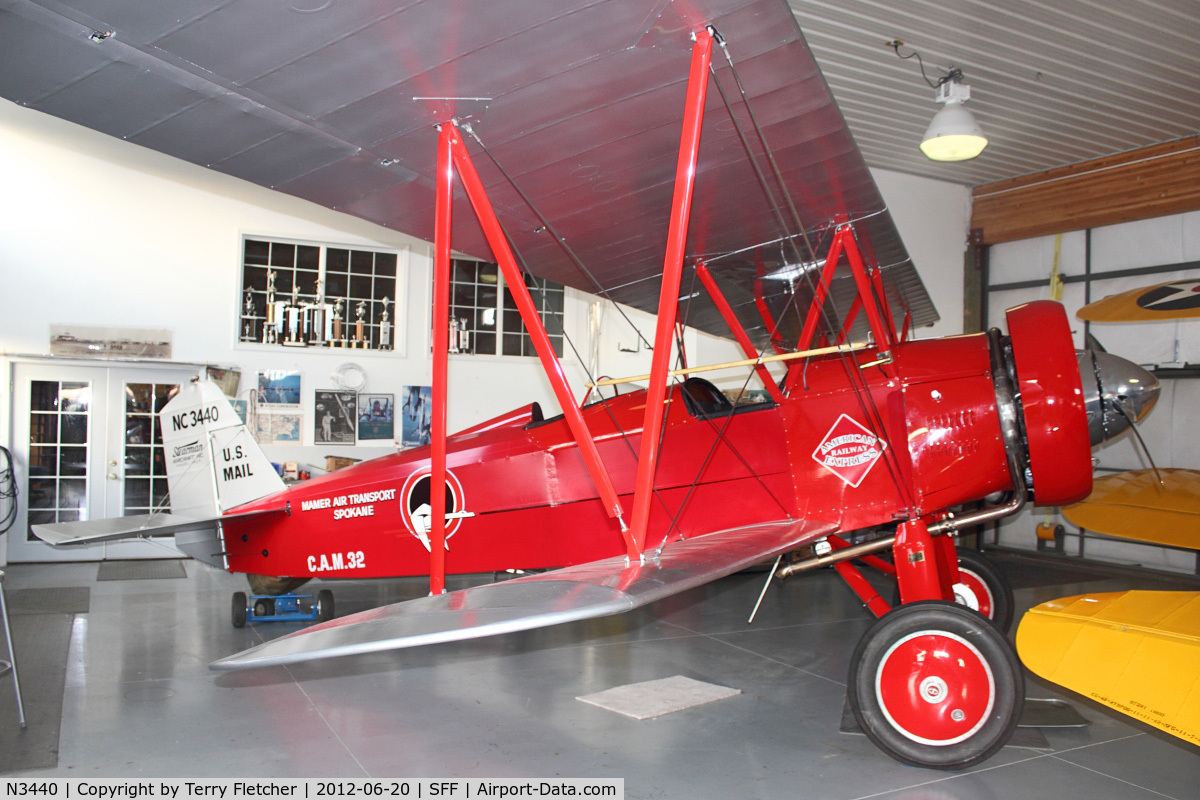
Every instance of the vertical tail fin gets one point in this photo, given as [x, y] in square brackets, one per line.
[213, 462]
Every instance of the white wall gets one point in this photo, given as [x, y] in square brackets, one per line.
[97, 231]
[1172, 430]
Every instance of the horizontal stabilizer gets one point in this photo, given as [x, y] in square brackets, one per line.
[1134, 505]
[1134, 651]
[596, 589]
[131, 527]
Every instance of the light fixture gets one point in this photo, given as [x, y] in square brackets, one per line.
[953, 135]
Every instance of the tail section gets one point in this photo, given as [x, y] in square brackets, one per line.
[213, 465]
[213, 462]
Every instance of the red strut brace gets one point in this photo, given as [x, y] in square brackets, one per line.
[441, 348]
[537, 331]
[735, 326]
[668, 297]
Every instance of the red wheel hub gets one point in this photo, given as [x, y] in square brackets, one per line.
[935, 687]
[971, 591]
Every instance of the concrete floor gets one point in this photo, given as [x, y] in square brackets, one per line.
[141, 702]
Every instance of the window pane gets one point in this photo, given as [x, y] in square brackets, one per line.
[283, 255]
[484, 343]
[283, 284]
[44, 395]
[43, 428]
[385, 264]
[335, 285]
[159, 495]
[72, 461]
[361, 261]
[139, 397]
[160, 462]
[512, 322]
[75, 397]
[72, 493]
[137, 460]
[257, 252]
[137, 492]
[308, 257]
[512, 344]
[43, 493]
[336, 260]
[464, 271]
[43, 460]
[74, 429]
[360, 286]
[137, 430]
[489, 273]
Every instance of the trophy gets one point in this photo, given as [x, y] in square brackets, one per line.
[272, 310]
[293, 323]
[248, 317]
[385, 327]
[454, 335]
[337, 322]
[360, 311]
[318, 317]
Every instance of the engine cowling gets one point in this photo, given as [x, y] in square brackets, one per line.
[1054, 403]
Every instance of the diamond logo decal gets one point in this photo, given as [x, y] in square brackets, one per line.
[849, 451]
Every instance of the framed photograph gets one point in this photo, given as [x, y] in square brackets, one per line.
[415, 416]
[279, 388]
[333, 417]
[376, 416]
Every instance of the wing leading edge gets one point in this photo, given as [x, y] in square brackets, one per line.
[596, 589]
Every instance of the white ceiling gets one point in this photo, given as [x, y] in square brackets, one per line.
[1052, 82]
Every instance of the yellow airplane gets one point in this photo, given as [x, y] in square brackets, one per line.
[1137, 652]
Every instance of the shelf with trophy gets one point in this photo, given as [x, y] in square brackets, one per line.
[346, 303]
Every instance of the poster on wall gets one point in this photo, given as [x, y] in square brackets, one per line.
[279, 388]
[333, 417]
[104, 342]
[415, 416]
[376, 418]
[277, 427]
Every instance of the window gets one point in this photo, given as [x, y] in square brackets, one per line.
[486, 312]
[308, 295]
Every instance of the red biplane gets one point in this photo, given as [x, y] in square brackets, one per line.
[608, 164]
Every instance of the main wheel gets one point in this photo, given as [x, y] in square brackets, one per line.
[984, 588]
[324, 605]
[936, 685]
[240, 606]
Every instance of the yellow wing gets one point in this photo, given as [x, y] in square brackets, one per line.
[1172, 300]
[1136, 652]
[1133, 505]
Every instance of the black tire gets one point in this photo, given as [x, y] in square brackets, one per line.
[268, 585]
[264, 607]
[324, 605]
[984, 588]
[950, 711]
[240, 607]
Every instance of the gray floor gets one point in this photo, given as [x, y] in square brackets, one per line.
[141, 702]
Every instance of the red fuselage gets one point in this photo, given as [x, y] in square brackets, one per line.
[814, 456]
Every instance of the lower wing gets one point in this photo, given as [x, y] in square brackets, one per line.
[597, 589]
[1134, 505]
[1133, 651]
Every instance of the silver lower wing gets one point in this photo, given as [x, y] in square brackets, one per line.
[597, 589]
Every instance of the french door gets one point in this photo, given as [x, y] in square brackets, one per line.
[87, 445]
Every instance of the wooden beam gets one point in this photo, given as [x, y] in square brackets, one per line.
[1149, 182]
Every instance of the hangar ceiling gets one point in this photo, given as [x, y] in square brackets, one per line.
[1052, 82]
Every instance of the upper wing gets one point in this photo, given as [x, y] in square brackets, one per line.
[1133, 505]
[598, 589]
[580, 102]
[1171, 300]
[1135, 652]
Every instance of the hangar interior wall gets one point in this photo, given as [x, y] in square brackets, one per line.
[100, 232]
[1172, 429]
